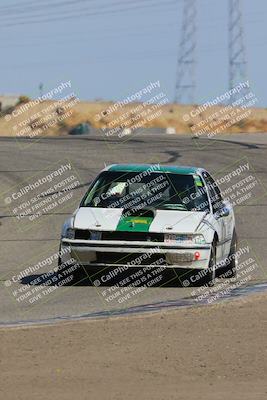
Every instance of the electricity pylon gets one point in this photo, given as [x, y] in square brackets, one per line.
[185, 78]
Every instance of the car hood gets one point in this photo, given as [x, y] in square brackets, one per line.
[110, 219]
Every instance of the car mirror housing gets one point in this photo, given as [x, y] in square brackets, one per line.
[224, 211]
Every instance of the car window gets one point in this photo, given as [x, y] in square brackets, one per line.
[201, 198]
[132, 190]
[214, 192]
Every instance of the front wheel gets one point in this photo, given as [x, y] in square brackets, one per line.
[229, 271]
[210, 272]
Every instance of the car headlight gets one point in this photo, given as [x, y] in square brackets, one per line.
[184, 238]
[70, 233]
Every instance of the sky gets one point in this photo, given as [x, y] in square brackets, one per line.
[109, 53]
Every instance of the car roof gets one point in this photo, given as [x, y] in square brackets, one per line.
[175, 169]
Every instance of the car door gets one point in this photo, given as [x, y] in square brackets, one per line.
[218, 222]
[228, 218]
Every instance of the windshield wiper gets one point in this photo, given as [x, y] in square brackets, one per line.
[180, 207]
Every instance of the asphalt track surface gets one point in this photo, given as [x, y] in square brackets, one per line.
[19, 247]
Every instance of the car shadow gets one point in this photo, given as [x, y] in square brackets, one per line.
[106, 277]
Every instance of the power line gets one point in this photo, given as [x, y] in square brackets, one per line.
[85, 14]
[104, 34]
[119, 55]
[61, 4]
[27, 3]
[72, 13]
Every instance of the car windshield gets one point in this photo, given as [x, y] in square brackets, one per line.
[154, 190]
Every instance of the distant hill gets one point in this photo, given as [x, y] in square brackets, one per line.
[51, 118]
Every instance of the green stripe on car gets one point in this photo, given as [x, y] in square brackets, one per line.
[134, 224]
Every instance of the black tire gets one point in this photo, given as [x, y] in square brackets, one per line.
[210, 274]
[229, 271]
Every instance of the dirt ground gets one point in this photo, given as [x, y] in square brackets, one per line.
[43, 119]
[213, 352]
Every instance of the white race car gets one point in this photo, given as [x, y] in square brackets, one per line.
[138, 215]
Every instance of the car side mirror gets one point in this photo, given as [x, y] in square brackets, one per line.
[223, 211]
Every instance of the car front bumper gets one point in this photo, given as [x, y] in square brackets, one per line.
[134, 254]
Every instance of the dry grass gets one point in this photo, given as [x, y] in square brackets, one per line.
[171, 115]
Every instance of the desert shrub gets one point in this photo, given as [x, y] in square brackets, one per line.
[23, 100]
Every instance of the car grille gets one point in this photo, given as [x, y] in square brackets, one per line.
[133, 236]
[84, 234]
